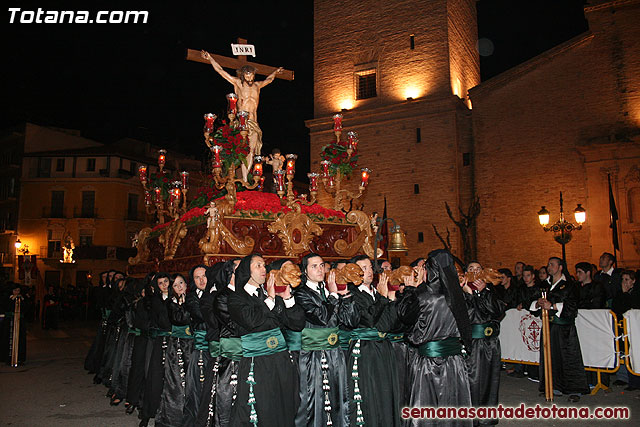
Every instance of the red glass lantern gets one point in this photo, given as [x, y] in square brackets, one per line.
[243, 116]
[157, 191]
[216, 156]
[184, 175]
[142, 174]
[291, 164]
[261, 185]
[280, 180]
[353, 140]
[162, 158]
[208, 123]
[147, 198]
[232, 99]
[257, 165]
[337, 122]
[313, 181]
[366, 172]
[325, 168]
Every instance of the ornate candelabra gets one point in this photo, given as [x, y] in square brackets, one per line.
[228, 180]
[175, 204]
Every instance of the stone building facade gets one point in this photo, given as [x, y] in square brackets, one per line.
[561, 121]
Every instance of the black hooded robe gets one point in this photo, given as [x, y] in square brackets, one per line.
[436, 380]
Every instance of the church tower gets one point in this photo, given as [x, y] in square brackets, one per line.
[399, 73]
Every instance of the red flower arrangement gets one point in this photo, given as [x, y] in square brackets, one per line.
[336, 153]
[255, 201]
[234, 148]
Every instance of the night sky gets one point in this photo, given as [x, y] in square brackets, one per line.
[112, 81]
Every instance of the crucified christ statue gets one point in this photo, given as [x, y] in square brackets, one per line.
[248, 91]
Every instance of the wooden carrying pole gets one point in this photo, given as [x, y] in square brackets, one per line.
[15, 342]
[546, 344]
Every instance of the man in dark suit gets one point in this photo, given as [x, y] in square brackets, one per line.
[609, 276]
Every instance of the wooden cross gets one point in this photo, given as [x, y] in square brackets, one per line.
[237, 62]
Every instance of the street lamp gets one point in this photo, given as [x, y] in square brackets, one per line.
[562, 229]
[397, 241]
[21, 248]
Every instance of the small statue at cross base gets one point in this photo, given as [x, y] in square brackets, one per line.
[248, 91]
[276, 160]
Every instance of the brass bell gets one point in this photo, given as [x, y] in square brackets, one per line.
[397, 240]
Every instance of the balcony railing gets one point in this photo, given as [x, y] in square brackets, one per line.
[84, 213]
[48, 212]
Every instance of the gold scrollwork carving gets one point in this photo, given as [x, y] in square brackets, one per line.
[140, 242]
[364, 239]
[171, 238]
[217, 232]
[296, 230]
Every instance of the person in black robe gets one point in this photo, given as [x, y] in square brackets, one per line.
[51, 309]
[141, 346]
[207, 405]
[438, 325]
[7, 330]
[122, 364]
[200, 356]
[179, 348]
[267, 377]
[372, 380]
[293, 338]
[566, 357]
[627, 299]
[592, 293]
[527, 292]
[322, 364]
[483, 364]
[115, 329]
[221, 389]
[94, 356]
[159, 332]
[390, 324]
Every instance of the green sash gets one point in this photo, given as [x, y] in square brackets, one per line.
[231, 348]
[395, 337]
[319, 338]
[344, 338]
[560, 321]
[105, 314]
[155, 332]
[442, 348]
[135, 331]
[368, 334]
[214, 348]
[181, 332]
[201, 340]
[263, 343]
[483, 330]
[293, 339]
